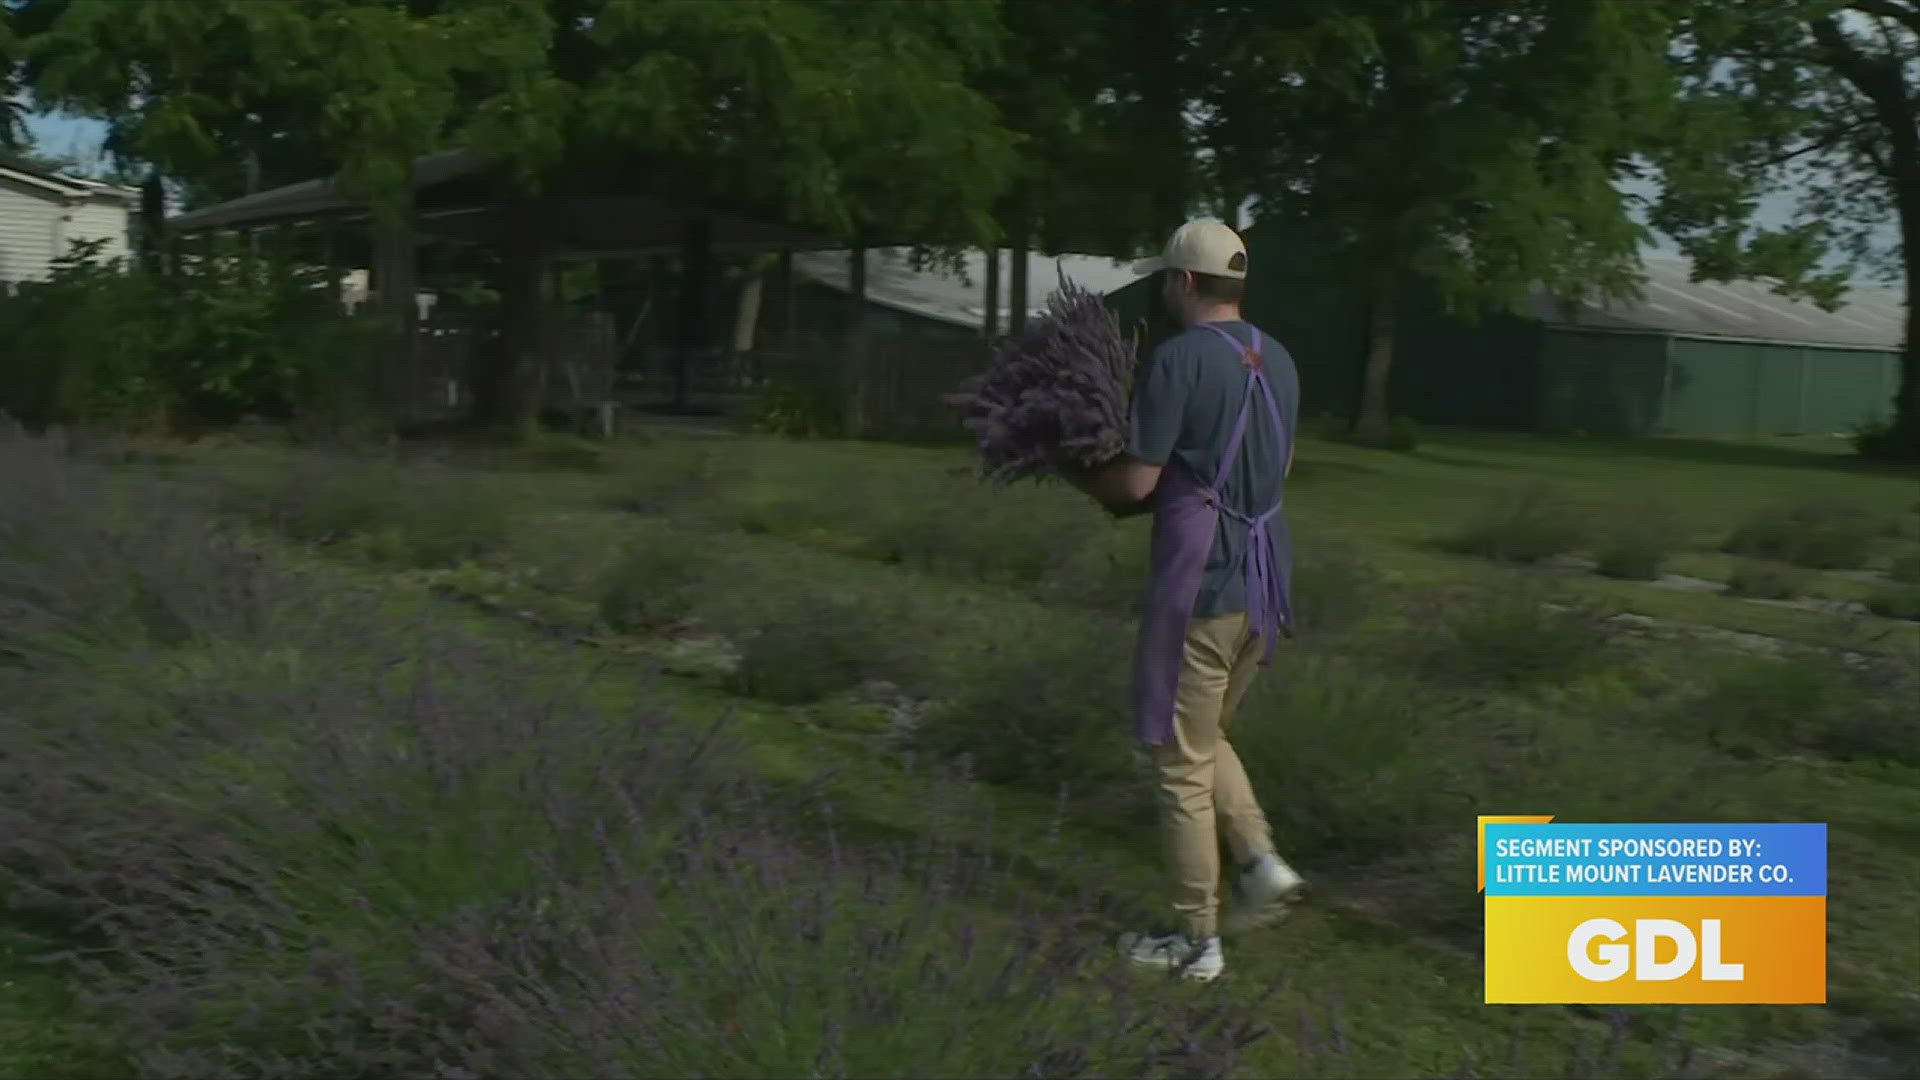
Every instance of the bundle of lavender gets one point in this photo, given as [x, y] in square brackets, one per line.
[1057, 391]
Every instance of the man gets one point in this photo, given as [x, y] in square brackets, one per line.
[1210, 446]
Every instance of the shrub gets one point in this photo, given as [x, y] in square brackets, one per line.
[1820, 534]
[1336, 750]
[969, 529]
[1759, 580]
[1906, 569]
[1636, 543]
[1046, 710]
[80, 346]
[1884, 439]
[414, 516]
[658, 583]
[221, 338]
[823, 645]
[1513, 636]
[1524, 525]
[681, 482]
[1757, 705]
[804, 402]
[1899, 601]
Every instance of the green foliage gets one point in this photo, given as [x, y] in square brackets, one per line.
[1047, 709]
[1483, 188]
[1819, 534]
[1517, 635]
[972, 529]
[1757, 579]
[101, 340]
[1814, 100]
[1763, 704]
[1336, 752]
[382, 512]
[658, 583]
[1523, 525]
[80, 345]
[802, 405]
[1906, 569]
[1754, 706]
[1635, 543]
[1775, 94]
[1897, 601]
[821, 645]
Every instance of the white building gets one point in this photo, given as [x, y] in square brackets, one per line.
[43, 214]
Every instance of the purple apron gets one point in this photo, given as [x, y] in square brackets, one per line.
[1185, 514]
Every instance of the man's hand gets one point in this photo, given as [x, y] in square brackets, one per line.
[1123, 485]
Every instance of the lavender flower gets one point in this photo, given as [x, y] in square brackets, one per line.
[1059, 391]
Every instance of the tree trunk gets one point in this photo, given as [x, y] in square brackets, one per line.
[510, 374]
[690, 333]
[855, 358]
[990, 323]
[1906, 184]
[393, 280]
[1017, 299]
[153, 227]
[1374, 425]
[1884, 84]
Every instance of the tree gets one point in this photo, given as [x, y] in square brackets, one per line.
[1820, 98]
[832, 113]
[1470, 144]
[1096, 91]
[13, 111]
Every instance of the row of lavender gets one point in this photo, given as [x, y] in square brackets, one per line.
[296, 827]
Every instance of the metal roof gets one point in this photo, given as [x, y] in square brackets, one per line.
[311, 198]
[59, 184]
[959, 299]
[1672, 303]
[581, 226]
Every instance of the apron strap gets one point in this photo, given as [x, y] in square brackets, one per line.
[1250, 356]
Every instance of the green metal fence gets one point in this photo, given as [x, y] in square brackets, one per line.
[1626, 384]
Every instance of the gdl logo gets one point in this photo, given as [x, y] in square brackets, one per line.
[1602, 950]
[1653, 914]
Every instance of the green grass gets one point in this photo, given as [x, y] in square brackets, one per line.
[1392, 936]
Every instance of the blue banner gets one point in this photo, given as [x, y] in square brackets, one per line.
[1554, 859]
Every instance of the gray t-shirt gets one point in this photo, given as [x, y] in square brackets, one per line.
[1183, 410]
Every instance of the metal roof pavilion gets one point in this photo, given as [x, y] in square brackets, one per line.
[1673, 303]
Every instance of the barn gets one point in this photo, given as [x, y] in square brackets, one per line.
[1689, 359]
[913, 300]
[42, 214]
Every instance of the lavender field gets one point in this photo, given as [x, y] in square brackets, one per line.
[721, 756]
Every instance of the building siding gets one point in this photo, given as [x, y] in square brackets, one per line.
[96, 220]
[38, 225]
[28, 220]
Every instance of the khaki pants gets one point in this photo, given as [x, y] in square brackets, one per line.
[1202, 786]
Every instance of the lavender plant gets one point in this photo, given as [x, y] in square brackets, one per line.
[315, 831]
[1060, 390]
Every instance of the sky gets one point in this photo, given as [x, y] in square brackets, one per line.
[80, 140]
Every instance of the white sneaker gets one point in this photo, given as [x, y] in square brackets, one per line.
[1266, 890]
[1202, 962]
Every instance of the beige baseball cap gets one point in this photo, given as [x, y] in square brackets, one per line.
[1204, 246]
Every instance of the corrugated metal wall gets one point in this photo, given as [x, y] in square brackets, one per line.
[1599, 383]
[1446, 370]
[1756, 389]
